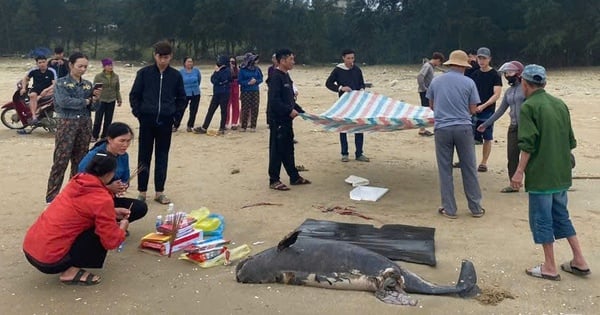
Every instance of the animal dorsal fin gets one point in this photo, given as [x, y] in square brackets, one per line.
[288, 240]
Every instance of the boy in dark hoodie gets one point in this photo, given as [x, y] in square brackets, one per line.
[347, 77]
[221, 80]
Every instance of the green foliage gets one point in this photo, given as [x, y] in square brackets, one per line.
[551, 32]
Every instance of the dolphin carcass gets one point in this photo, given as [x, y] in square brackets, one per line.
[340, 265]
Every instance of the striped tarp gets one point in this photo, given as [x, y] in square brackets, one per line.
[360, 111]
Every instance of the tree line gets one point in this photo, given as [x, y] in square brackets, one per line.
[550, 32]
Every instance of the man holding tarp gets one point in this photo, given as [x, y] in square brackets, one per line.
[347, 77]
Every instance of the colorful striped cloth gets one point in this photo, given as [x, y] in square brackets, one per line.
[360, 111]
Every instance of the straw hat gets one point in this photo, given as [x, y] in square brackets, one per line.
[458, 58]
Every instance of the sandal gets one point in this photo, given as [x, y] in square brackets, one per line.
[279, 186]
[536, 272]
[568, 267]
[456, 164]
[479, 214]
[300, 181]
[482, 168]
[141, 198]
[508, 189]
[162, 199]
[89, 280]
[426, 133]
[443, 212]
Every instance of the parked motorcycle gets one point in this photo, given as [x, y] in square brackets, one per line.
[17, 114]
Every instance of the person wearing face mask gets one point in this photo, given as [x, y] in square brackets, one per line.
[513, 98]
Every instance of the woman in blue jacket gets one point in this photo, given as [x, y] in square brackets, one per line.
[221, 80]
[117, 141]
[250, 77]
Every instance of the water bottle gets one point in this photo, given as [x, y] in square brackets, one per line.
[170, 214]
[159, 221]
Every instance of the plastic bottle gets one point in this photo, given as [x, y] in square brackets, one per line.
[170, 213]
[159, 221]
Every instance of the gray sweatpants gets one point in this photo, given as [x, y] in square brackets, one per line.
[461, 138]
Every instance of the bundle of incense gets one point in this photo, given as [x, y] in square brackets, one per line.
[179, 218]
[204, 246]
[136, 172]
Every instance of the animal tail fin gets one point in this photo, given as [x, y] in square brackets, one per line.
[467, 280]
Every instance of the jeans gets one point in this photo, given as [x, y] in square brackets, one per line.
[358, 142]
[549, 217]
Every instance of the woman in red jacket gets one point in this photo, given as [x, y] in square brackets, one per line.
[79, 226]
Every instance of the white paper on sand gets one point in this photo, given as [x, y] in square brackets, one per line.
[367, 193]
[356, 181]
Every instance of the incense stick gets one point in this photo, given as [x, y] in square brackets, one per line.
[177, 221]
[120, 248]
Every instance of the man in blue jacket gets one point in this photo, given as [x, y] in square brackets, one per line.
[157, 96]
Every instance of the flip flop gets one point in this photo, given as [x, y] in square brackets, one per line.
[456, 165]
[568, 267]
[509, 189]
[279, 186]
[482, 168]
[536, 272]
[479, 214]
[89, 280]
[443, 212]
[300, 181]
[162, 199]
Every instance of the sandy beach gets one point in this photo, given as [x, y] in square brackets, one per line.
[200, 174]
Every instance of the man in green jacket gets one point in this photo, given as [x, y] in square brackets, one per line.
[546, 140]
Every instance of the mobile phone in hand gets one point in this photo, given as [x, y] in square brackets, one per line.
[98, 85]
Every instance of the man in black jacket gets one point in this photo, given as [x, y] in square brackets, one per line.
[156, 97]
[282, 109]
[347, 77]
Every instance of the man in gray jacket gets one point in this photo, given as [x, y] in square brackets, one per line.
[424, 79]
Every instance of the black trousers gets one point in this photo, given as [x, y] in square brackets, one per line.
[281, 151]
[154, 134]
[104, 112]
[194, 103]
[217, 100]
[138, 208]
[86, 252]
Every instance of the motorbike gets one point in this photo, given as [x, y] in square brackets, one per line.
[17, 114]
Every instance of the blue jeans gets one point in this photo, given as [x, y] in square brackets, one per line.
[358, 141]
[549, 217]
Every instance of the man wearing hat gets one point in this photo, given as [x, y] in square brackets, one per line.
[546, 140]
[489, 87]
[453, 98]
[111, 94]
